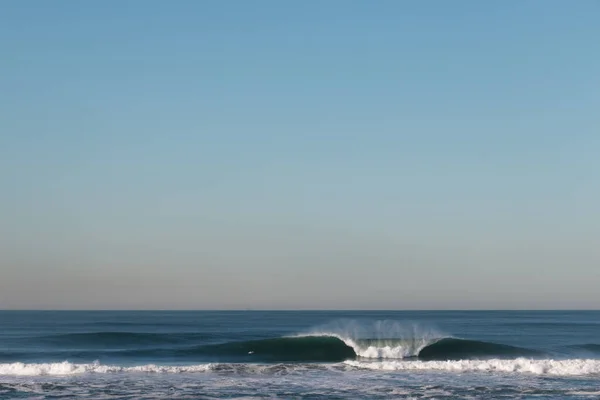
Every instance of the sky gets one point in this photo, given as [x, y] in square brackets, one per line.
[336, 154]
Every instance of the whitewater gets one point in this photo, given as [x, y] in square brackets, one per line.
[522, 365]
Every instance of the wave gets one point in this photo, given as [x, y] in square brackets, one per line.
[334, 348]
[571, 367]
[459, 349]
[308, 348]
[284, 349]
[381, 347]
[589, 346]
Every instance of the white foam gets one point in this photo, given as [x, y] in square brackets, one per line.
[67, 368]
[387, 349]
[520, 365]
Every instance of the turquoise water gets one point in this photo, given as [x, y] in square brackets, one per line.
[300, 354]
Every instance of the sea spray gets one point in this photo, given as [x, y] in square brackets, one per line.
[380, 338]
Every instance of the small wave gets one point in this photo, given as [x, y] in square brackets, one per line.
[519, 365]
[589, 347]
[459, 349]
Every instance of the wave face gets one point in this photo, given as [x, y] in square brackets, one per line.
[460, 349]
[284, 349]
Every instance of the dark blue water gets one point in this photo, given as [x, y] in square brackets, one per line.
[282, 354]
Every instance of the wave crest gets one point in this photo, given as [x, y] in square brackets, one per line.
[380, 339]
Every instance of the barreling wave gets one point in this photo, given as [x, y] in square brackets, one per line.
[308, 348]
[336, 348]
[573, 367]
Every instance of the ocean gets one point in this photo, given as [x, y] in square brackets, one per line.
[300, 354]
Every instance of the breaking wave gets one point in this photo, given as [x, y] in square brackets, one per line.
[309, 348]
[334, 348]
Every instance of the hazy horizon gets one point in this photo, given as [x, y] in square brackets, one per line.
[307, 155]
[297, 310]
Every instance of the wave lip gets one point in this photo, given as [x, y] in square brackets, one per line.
[383, 339]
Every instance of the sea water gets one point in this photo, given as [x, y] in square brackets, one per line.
[300, 354]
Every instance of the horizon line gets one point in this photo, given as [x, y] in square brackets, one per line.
[294, 309]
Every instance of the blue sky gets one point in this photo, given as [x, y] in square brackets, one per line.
[267, 154]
